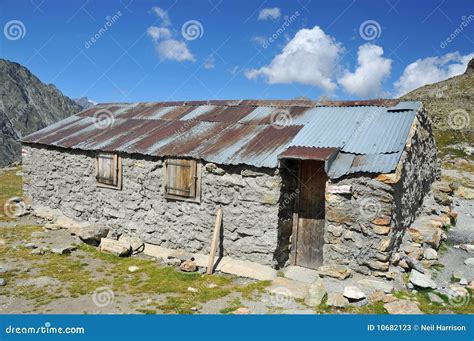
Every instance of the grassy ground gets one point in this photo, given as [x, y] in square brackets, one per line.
[10, 187]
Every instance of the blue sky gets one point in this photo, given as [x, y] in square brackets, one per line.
[340, 49]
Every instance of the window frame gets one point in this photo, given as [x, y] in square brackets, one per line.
[197, 181]
[117, 159]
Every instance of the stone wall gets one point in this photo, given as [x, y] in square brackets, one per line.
[65, 180]
[365, 225]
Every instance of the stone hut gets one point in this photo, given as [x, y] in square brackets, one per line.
[299, 182]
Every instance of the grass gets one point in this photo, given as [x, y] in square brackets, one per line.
[232, 306]
[11, 186]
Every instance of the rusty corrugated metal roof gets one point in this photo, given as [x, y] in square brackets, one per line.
[252, 132]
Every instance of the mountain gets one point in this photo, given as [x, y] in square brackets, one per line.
[451, 106]
[26, 105]
[85, 102]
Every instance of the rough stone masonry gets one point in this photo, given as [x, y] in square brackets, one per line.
[65, 180]
[363, 226]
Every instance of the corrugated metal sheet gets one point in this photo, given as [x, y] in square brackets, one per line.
[370, 135]
[370, 163]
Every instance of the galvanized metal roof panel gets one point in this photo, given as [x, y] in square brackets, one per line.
[346, 163]
[382, 132]
[236, 132]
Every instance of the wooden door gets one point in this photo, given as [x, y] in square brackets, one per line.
[310, 214]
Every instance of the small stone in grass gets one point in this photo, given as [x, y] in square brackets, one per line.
[133, 268]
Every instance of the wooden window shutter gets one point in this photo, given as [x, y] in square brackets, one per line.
[181, 178]
[107, 169]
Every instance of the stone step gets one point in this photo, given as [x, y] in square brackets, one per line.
[300, 274]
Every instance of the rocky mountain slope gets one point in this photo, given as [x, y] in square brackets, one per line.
[85, 102]
[26, 105]
[451, 106]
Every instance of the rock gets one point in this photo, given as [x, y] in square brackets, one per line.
[459, 290]
[383, 220]
[425, 232]
[3, 242]
[456, 276]
[38, 234]
[172, 261]
[467, 247]
[188, 266]
[336, 299]
[212, 168]
[137, 244]
[91, 235]
[4, 269]
[463, 281]
[241, 311]
[112, 234]
[353, 293]
[376, 284]
[471, 285]
[250, 173]
[46, 213]
[378, 265]
[37, 252]
[389, 298]
[435, 298]
[210, 285]
[421, 280]
[133, 268]
[376, 296]
[117, 247]
[469, 261]
[181, 255]
[414, 264]
[430, 254]
[69, 223]
[402, 307]
[31, 246]
[51, 227]
[287, 287]
[64, 250]
[316, 293]
[335, 271]
[191, 289]
[300, 274]
[2, 282]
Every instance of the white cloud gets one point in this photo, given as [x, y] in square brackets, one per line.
[172, 49]
[372, 69]
[309, 58]
[163, 15]
[431, 70]
[269, 14]
[157, 33]
[166, 46]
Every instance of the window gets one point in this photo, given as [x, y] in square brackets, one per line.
[182, 180]
[109, 171]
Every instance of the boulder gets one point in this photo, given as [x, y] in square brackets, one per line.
[376, 296]
[426, 233]
[421, 280]
[188, 266]
[353, 293]
[335, 271]
[46, 213]
[68, 223]
[467, 247]
[316, 293]
[435, 298]
[414, 264]
[430, 254]
[64, 250]
[402, 307]
[376, 284]
[469, 261]
[91, 235]
[336, 299]
[172, 261]
[137, 244]
[116, 247]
